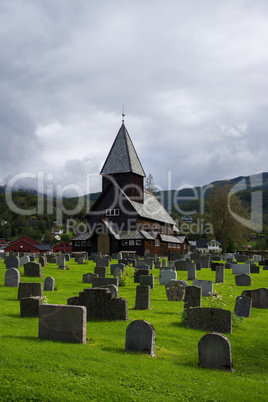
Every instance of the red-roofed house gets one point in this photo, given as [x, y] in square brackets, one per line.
[63, 247]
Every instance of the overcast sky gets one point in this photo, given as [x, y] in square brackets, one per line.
[192, 76]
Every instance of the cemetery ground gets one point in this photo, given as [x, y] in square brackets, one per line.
[34, 369]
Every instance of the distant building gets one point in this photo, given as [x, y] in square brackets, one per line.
[206, 246]
[125, 217]
[27, 245]
[63, 247]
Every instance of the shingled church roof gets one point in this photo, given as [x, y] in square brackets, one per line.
[122, 157]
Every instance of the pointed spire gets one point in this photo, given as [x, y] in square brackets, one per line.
[122, 157]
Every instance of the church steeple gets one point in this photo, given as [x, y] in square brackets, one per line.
[123, 164]
[122, 157]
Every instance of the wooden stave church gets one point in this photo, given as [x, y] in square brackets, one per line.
[125, 217]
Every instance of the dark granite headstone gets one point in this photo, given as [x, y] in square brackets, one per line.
[214, 352]
[210, 319]
[12, 262]
[259, 297]
[29, 306]
[243, 280]
[98, 282]
[88, 278]
[100, 271]
[143, 297]
[101, 304]
[49, 283]
[140, 337]
[220, 274]
[33, 269]
[243, 306]
[193, 297]
[28, 289]
[12, 277]
[147, 280]
[62, 323]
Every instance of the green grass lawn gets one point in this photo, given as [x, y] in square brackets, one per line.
[32, 369]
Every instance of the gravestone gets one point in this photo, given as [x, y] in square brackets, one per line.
[243, 306]
[143, 266]
[214, 351]
[138, 273]
[166, 275]
[192, 297]
[143, 297]
[181, 265]
[147, 280]
[256, 258]
[100, 271]
[164, 263]
[113, 289]
[102, 261]
[23, 260]
[101, 304]
[32, 258]
[241, 258]
[42, 261]
[67, 257]
[210, 319]
[99, 282]
[140, 337]
[12, 262]
[259, 297]
[62, 323]
[149, 262]
[61, 262]
[119, 265]
[81, 261]
[206, 286]
[175, 290]
[119, 256]
[29, 306]
[12, 277]
[254, 269]
[49, 283]
[238, 269]
[117, 272]
[28, 289]
[33, 269]
[220, 274]
[52, 259]
[243, 280]
[191, 268]
[88, 278]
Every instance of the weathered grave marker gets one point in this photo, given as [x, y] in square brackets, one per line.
[140, 337]
[143, 297]
[214, 352]
[12, 277]
[62, 323]
[243, 306]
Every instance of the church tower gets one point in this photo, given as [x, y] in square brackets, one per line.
[124, 167]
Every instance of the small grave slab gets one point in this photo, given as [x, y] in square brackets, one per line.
[62, 323]
[140, 337]
[210, 319]
[259, 297]
[175, 290]
[12, 277]
[243, 280]
[214, 351]
[243, 306]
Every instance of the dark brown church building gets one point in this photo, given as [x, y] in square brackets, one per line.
[125, 217]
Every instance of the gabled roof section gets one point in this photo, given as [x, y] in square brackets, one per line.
[122, 157]
[152, 209]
